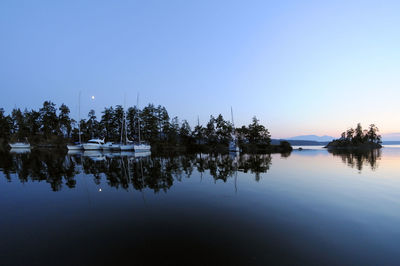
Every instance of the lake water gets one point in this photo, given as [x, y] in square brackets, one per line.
[309, 207]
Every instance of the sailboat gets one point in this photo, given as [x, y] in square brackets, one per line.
[77, 146]
[140, 146]
[126, 144]
[233, 143]
[20, 145]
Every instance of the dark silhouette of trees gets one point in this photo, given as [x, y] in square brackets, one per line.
[48, 119]
[19, 125]
[34, 124]
[64, 121]
[258, 134]
[107, 120]
[52, 125]
[358, 138]
[185, 133]
[5, 127]
[132, 122]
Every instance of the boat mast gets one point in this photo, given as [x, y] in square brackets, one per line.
[234, 137]
[122, 122]
[137, 106]
[233, 124]
[126, 129]
[79, 117]
[122, 126]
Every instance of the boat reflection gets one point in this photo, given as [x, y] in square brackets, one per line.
[94, 155]
[20, 150]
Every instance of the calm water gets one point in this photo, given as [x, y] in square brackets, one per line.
[309, 207]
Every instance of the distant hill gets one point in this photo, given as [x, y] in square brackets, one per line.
[312, 138]
[391, 137]
[300, 142]
[391, 142]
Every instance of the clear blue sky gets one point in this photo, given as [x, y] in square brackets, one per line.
[302, 67]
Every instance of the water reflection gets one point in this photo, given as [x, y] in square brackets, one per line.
[357, 159]
[128, 169]
[53, 167]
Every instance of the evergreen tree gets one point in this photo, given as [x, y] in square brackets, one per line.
[5, 126]
[185, 132]
[108, 124]
[210, 132]
[48, 119]
[33, 123]
[150, 123]
[19, 126]
[118, 122]
[132, 123]
[173, 130]
[258, 134]
[223, 129]
[64, 120]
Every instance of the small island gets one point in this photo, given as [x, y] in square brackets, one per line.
[357, 139]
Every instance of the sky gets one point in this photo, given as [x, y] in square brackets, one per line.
[300, 67]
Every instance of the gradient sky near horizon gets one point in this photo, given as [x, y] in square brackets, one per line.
[302, 67]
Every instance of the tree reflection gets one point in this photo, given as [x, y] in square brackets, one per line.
[257, 164]
[123, 171]
[40, 166]
[358, 158]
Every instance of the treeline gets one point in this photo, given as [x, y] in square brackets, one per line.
[358, 137]
[52, 124]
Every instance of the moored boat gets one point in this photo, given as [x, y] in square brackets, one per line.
[75, 147]
[233, 143]
[142, 147]
[115, 147]
[93, 144]
[78, 145]
[127, 147]
[106, 146]
[233, 147]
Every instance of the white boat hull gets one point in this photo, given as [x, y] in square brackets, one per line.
[115, 147]
[142, 148]
[91, 146]
[106, 147]
[75, 147]
[233, 146]
[127, 147]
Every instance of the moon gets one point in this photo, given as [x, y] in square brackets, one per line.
[92, 97]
